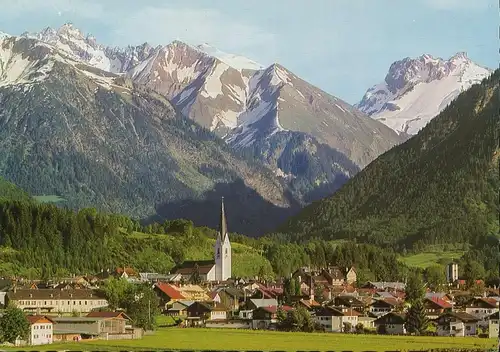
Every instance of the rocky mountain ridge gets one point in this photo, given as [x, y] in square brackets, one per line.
[234, 96]
[415, 90]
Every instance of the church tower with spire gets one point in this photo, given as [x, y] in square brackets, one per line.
[222, 249]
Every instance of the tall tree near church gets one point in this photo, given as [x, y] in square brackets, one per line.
[195, 278]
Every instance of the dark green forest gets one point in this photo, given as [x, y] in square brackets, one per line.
[47, 241]
[42, 240]
[439, 187]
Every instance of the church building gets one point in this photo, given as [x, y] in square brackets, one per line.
[218, 269]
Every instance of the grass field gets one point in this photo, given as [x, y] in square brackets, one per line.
[426, 259]
[49, 199]
[224, 339]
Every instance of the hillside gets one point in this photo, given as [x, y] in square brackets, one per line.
[40, 239]
[93, 138]
[9, 191]
[441, 186]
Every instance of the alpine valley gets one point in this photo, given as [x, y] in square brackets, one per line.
[164, 132]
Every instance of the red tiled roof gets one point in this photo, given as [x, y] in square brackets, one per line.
[274, 309]
[440, 302]
[170, 291]
[33, 319]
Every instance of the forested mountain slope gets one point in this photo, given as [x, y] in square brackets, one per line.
[441, 186]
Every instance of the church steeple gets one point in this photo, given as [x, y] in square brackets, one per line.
[222, 230]
[222, 248]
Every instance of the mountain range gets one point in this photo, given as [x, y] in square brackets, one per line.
[416, 90]
[163, 131]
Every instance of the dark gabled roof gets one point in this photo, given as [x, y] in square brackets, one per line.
[348, 301]
[462, 316]
[483, 302]
[334, 273]
[386, 302]
[233, 292]
[398, 318]
[186, 268]
[121, 315]
[329, 312]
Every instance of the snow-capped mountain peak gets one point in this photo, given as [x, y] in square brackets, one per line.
[415, 90]
[235, 61]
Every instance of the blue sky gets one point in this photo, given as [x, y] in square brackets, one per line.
[342, 46]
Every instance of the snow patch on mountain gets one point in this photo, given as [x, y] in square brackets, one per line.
[17, 68]
[235, 61]
[213, 85]
[417, 90]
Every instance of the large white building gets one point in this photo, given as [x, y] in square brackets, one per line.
[41, 330]
[55, 301]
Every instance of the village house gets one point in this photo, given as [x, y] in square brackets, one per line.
[193, 292]
[381, 307]
[434, 307]
[391, 323]
[206, 270]
[178, 308]
[199, 313]
[349, 302]
[335, 319]
[168, 294]
[266, 317]
[334, 276]
[103, 325]
[229, 297]
[493, 325]
[254, 303]
[482, 308]
[41, 330]
[456, 324]
[56, 301]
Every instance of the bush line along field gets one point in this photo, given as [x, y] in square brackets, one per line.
[246, 340]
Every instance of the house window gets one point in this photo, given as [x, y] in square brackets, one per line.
[467, 328]
[85, 302]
